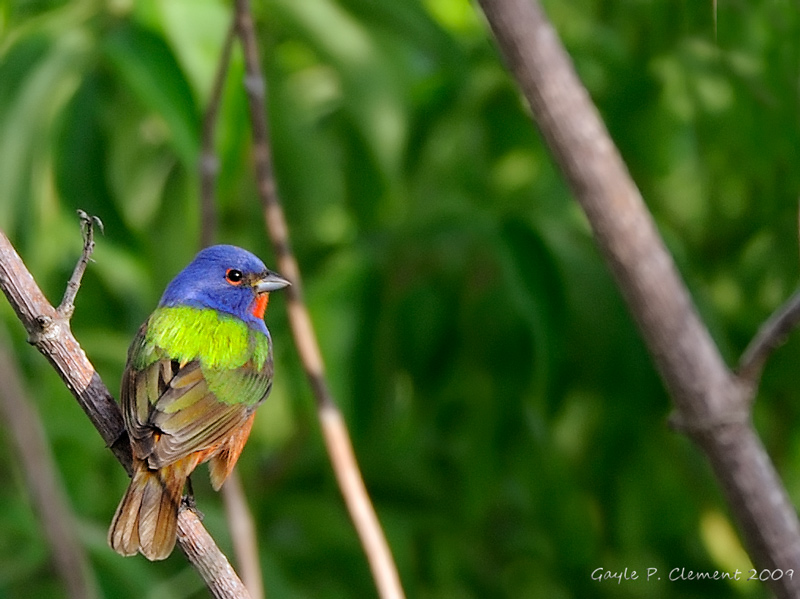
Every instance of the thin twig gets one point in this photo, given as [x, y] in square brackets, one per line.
[714, 9]
[209, 163]
[51, 335]
[712, 403]
[22, 420]
[67, 306]
[240, 519]
[770, 336]
[335, 432]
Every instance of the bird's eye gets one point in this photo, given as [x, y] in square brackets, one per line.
[233, 276]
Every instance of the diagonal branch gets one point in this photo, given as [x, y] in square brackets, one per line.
[49, 331]
[334, 430]
[244, 534]
[771, 335]
[712, 402]
[238, 514]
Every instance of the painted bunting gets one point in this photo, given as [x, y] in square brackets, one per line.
[197, 370]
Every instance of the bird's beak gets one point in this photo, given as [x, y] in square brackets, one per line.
[271, 281]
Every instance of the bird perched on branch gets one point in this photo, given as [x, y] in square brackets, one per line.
[197, 370]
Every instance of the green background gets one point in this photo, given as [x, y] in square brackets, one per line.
[509, 423]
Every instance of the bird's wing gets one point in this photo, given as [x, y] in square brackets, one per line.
[173, 410]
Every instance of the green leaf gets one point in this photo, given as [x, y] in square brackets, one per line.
[195, 30]
[152, 74]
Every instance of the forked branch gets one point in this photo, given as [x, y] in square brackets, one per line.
[712, 403]
[769, 337]
[49, 331]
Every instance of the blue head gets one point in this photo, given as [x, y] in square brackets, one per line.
[228, 279]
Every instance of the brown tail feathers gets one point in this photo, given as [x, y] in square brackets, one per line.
[147, 517]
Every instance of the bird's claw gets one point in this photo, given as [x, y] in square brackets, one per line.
[188, 503]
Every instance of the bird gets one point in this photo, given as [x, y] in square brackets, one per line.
[196, 371]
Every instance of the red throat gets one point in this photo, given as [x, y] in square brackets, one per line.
[260, 305]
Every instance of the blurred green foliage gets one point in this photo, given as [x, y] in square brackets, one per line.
[510, 426]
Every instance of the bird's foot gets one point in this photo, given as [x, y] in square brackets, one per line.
[188, 503]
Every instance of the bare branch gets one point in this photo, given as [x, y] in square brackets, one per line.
[243, 533]
[51, 335]
[67, 306]
[712, 402]
[345, 466]
[209, 163]
[337, 438]
[770, 336]
[47, 491]
[208, 560]
[240, 519]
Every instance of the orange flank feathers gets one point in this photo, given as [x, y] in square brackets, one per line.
[223, 461]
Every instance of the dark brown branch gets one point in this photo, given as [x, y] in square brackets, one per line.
[712, 403]
[47, 492]
[770, 336]
[337, 438]
[209, 163]
[51, 335]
